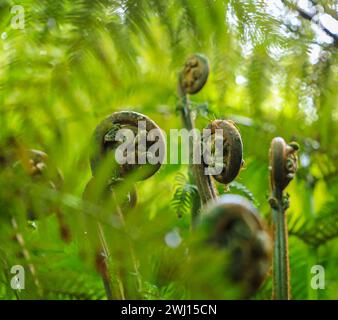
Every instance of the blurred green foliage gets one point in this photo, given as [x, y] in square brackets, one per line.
[76, 61]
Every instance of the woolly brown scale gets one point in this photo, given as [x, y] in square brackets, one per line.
[232, 149]
[194, 74]
[283, 162]
[232, 223]
[104, 142]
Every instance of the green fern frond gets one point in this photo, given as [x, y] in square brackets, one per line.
[183, 197]
[72, 286]
[319, 230]
[244, 191]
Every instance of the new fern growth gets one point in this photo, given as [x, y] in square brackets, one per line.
[37, 165]
[283, 166]
[191, 80]
[105, 144]
[232, 149]
[232, 223]
[36, 174]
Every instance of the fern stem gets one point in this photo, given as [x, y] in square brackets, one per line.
[131, 250]
[102, 252]
[191, 80]
[105, 273]
[280, 258]
[103, 140]
[196, 206]
[283, 166]
[204, 183]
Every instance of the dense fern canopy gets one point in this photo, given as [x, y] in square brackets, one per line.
[273, 71]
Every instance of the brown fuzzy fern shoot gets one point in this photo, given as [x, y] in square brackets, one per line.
[104, 147]
[191, 80]
[232, 223]
[283, 166]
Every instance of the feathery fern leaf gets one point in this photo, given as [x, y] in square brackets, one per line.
[182, 199]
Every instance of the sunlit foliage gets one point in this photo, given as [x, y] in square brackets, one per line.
[273, 72]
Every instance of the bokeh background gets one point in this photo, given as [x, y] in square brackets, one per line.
[273, 72]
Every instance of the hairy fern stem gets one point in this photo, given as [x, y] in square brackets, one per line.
[283, 166]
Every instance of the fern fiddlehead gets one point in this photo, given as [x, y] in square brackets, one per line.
[232, 223]
[36, 167]
[191, 80]
[232, 150]
[106, 142]
[194, 75]
[33, 165]
[283, 166]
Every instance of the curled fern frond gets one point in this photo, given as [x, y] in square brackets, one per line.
[232, 223]
[104, 142]
[194, 74]
[283, 167]
[232, 145]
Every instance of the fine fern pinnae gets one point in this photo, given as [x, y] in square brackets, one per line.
[77, 60]
[185, 192]
[244, 190]
[320, 230]
[75, 286]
